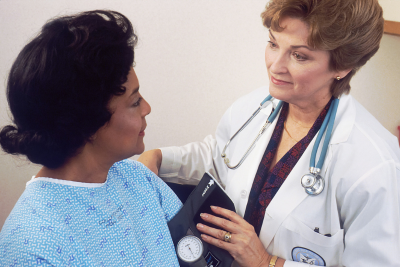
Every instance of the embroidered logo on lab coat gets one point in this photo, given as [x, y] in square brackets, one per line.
[304, 255]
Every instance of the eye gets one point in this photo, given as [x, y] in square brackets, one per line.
[272, 44]
[299, 57]
[137, 103]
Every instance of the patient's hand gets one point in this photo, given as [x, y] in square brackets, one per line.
[151, 159]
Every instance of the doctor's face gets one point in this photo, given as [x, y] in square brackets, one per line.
[298, 73]
[122, 137]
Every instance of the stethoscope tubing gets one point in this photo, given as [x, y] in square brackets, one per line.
[315, 183]
[331, 115]
[265, 103]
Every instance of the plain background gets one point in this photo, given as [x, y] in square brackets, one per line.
[194, 58]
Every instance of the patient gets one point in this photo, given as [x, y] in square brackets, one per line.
[76, 107]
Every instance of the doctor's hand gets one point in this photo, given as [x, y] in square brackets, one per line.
[151, 159]
[245, 246]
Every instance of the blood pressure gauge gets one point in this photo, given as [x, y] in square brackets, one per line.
[190, 249]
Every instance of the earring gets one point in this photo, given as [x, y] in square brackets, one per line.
[338, 78]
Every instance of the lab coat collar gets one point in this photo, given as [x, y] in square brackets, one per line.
[344, 121]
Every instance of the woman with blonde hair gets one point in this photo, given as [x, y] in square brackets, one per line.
[321, 185]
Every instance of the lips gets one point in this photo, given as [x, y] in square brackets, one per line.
[278, 82]
[141, 133]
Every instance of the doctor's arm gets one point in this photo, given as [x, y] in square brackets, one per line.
[151, 159]
[186, 164]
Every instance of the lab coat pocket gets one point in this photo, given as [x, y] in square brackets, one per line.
[298, 242]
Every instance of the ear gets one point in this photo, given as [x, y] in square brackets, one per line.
[342, 73]
[93, 137]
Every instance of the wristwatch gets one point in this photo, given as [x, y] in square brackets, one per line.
[190, 250]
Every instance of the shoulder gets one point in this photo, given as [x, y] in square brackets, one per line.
[144, 181]
[129, 169]
[126, 165]
[133, 169]
[363, 151]
[366, 136]
[380, 139]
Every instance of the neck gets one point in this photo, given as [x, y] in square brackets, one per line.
[306, 115]
[86, 167]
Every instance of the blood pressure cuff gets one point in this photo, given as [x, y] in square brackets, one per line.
[207, 193]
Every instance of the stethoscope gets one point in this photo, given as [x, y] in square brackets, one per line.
[312, 182]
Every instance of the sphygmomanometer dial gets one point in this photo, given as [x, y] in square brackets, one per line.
[189, 248]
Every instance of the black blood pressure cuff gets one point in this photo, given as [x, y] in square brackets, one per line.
[207, 193]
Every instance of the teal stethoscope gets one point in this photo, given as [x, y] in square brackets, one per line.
[312, 182]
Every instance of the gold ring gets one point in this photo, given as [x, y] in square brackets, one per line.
[227, 237]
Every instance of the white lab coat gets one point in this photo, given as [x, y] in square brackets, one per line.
[359, 206]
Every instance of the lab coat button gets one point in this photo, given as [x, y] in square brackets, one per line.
[243, 194]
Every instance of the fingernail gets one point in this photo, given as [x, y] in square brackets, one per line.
[214, 207]
[204, 236]
[203, 215]
[199, 225]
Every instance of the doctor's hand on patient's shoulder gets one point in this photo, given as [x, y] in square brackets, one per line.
[244, 246]
[151, 159]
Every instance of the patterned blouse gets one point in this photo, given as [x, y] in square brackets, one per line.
[267, 183]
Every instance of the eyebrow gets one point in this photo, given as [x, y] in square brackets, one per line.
[293, 46]
[135, 91]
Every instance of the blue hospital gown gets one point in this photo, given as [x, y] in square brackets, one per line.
[122, 222]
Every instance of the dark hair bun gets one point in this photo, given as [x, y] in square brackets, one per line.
[38, 147]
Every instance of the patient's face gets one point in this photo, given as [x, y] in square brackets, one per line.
[122, 136]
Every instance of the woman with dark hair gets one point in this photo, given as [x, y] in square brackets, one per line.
[77, 111]
[299, 203]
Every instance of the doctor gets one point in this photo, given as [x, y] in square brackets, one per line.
[315, 48]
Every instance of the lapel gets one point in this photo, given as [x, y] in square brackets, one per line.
[292, 193]
[289, 196]
[241, 179]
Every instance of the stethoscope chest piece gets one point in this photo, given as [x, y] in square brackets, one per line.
[313, 183]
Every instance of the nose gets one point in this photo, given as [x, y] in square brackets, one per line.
[146, 108]
[276, 61]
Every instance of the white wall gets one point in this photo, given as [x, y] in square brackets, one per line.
[391, 9]
[193, 60]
